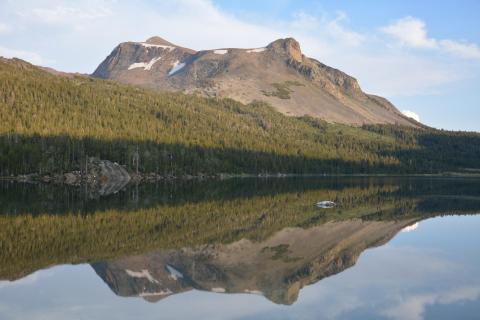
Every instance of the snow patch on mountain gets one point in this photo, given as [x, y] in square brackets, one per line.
[253, 292]
[153, 294]
[144, 65]
[141, 274]
[174, 273]
[176, 66]
[220, 51]
[150, 45]
[257, 50]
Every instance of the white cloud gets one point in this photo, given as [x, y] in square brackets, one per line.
[465, 50]
[413, 307]
[331, 29]
[379, 67]
[393, 73]
[337, 29]
[29, 56]
[411, 114]
[83, 37]
[66, 14]
[412, 32]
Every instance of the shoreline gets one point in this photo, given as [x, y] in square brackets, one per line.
[154, 177]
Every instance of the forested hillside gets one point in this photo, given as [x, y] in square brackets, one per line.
[51, 123]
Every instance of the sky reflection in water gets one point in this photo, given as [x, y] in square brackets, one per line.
[429, 271]
[433, 267]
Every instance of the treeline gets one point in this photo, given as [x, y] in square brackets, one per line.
[433, 150]
[52, 124]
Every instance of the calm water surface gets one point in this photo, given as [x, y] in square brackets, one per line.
[391, 248]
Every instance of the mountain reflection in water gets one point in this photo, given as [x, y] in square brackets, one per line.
[254, 236]
[276, 268]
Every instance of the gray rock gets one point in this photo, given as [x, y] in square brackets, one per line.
[109, 176]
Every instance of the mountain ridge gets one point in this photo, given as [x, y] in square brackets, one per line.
[278, 73]
[70, 119]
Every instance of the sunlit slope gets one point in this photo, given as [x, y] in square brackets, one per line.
[51, 123]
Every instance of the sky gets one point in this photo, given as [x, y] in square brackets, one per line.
[424, 56]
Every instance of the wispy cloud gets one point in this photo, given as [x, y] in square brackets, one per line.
[413, 307]
[326, 28]
[412, 32]
[461, 49]
[64, 14]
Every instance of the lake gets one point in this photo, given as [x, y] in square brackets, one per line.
[388, 248]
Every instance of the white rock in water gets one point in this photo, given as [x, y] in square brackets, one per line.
[326, 204]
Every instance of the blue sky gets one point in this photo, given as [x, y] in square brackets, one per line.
[422, 55]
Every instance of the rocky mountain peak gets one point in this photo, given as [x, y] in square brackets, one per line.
[289, 47]
[159, 41]
[278, 74]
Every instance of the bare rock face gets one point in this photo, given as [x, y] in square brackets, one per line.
[289, 47]
[247, 75]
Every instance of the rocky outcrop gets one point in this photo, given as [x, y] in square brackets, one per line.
[104, 177]
[109, 177]
[250, 75]
[288, 48]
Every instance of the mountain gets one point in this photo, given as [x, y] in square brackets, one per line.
[53, 124]
[276, 268]
[278, 74]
